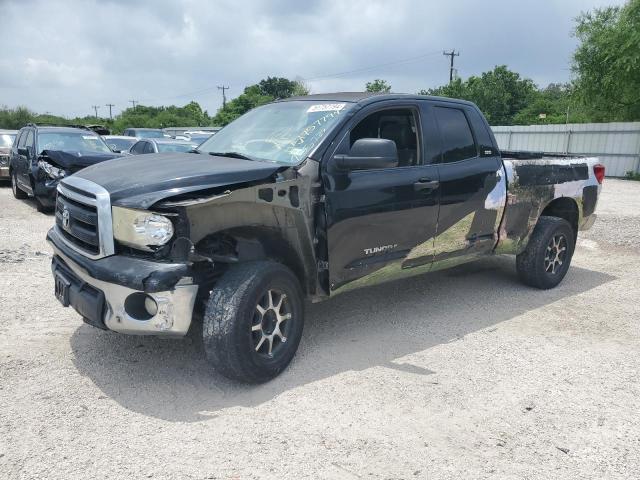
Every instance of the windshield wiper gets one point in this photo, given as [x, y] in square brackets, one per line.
[231, 155]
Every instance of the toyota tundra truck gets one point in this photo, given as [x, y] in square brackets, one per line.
[303, 199]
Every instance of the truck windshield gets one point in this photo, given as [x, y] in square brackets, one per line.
[284, 132]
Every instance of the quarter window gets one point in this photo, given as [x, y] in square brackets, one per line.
[457, 139]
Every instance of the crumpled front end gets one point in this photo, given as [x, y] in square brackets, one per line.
[111, 289]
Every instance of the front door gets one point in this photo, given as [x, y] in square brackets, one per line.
[24, 161]
[381, 222]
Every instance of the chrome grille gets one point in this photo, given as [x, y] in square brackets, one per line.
[83, 217]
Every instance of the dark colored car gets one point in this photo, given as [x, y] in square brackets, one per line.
[144, 133]
[41, 156]
[152, 145]
[7, 137]
[303, 199]
[119, 143]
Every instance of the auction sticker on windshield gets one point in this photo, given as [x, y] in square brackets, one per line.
[326, 107]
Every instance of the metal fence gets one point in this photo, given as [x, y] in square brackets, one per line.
[617, 144]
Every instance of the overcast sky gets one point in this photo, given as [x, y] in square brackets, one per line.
[65, 56]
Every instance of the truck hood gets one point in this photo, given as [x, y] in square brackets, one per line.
[74, 161]
[140, 181]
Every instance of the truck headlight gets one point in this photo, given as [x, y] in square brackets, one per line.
[53, 172]
[140, 228]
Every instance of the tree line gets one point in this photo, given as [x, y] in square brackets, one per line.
[605, 87]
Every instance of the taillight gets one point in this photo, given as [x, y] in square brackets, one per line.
[598, 171]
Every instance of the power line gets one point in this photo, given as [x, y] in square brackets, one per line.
[451, 54]
[95, 108]
[224, 97]
[110, 105]
[373, 67]
[134, 103]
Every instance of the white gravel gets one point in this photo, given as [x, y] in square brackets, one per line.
[460, 374]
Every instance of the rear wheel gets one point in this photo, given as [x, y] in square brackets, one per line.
[546, 260]
[17, 193]
[253, 321]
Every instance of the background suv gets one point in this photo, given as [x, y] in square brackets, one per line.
[7, 138]
[41, 156]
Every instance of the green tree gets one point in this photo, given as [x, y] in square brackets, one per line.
[252, 97]
[607, 62]
[499, 93]
[378, 86]
[277, 87]
[265, 91]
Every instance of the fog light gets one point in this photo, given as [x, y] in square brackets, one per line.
[150, 306]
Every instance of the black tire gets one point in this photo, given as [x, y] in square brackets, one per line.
[231, 342]
[535, 267]
[17, 193]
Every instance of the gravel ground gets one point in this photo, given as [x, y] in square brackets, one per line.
[460, 374]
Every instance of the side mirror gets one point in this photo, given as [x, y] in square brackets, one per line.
[369, 153]
[114, 148]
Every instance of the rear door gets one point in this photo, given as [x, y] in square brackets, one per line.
[381, 222]
[472, 183]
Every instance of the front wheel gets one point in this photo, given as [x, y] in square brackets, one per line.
[546, 260]
[253, 321]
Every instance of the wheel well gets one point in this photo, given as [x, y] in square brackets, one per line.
[565, 208]
[254, 243]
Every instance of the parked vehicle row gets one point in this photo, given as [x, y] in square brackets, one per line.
[35, 158]
[7, 137]
[306, 198]
[41, 156]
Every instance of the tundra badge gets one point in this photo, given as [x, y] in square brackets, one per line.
[382, 248]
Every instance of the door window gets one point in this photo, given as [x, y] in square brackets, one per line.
[29, 141]
[148, 148]
[457, 139]
[399, 125]
[23, 138]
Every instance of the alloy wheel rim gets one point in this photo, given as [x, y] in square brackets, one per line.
[270, 323]
[555, 254]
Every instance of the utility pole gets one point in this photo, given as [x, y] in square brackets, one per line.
[224, 97]
[95, 108]
[134, 103]
[451, 54]
[110, 105]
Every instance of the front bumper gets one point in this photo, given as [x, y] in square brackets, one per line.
[111, 304]
[45, 191]
[4, 172]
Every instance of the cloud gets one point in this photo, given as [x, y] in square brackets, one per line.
[73, 54]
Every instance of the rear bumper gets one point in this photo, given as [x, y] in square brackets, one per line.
[588, 222]
[116, 305]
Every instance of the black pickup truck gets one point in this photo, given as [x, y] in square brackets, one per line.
[306, 198]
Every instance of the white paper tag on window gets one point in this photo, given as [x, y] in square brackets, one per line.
[89, 137]
[326, 107]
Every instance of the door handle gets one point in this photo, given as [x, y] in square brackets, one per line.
[425, 184]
